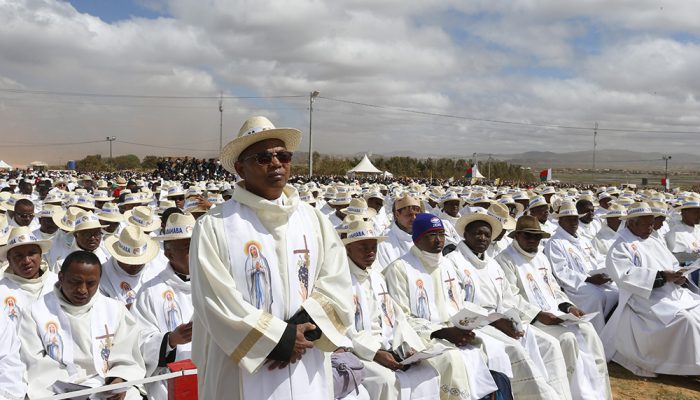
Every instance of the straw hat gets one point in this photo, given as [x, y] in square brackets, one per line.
[102, 184]
[19, 236]
[65, 220]
[54, 198]
[529, 224]
[639, 209]
[164, 205]
[450, 196]
[659, 208]
[192, 206]
[84, 201]
[256, 129]
[615, 211]
[101, 195]
[690, 202]
[464, 220]
[131, 198]
[120, 182]
[133, 246]
[361, 230]
[307, 197]
[502, 214]
[144, 218]
[87, 220]
[340, 199]
[345, 225]
[358, 206]
[178, 226]
[48, 211]
[406, 201]
[9, 204]
[110, 213]
[567, 210]
[508, 200]
[537, 201]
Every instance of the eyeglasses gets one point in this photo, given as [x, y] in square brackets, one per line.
[265, 157]
[25, 215]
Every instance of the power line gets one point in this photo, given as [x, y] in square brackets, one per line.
[50, 144]
[496, 121]
[164, 147]
[138, 96]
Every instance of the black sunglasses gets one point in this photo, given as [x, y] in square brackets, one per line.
[265, 157]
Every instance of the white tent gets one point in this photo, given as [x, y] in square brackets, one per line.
[365, 166]
[4, 165]
[475, 173]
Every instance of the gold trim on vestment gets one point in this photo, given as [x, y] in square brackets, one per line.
[252, 337]
[330, 311]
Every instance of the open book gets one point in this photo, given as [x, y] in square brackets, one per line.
[690, 268]
[569, 318]
[433, 351]
[473, 317]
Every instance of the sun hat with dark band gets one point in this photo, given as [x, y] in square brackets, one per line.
[256, 129]
[425, 223]
[529, 224]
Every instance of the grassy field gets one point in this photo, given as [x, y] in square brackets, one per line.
[626, 386]
[685, 179]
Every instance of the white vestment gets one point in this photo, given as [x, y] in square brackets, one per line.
[573, 259]
[163, 303]
[589, 230]
[683, 238]
[537, 373]
[254, 264]
[449, 222]
[120, 285]
[397, 243]
[18, 294]
[13, 385]
[653, 330]
[79, 344]
[429, 294]
[62, 251]
[381, 325]
[530, 277]
[604, 239]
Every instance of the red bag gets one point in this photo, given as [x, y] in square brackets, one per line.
[182, 387]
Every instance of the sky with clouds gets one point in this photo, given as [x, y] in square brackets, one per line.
[449, 77]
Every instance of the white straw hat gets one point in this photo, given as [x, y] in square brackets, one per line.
[19, 236]
[567, 210]
[87, 220]
[640, 209]
[615, 211]
[133, 246]
[502, 214]
[110, 212]
[358, 206]
[66, 219]
[256, 129]
[4, 229]
[143, 217]
[361, 230]
[178, 226]
[481, 215]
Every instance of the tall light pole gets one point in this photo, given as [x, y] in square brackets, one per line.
[490, 160]
[666, 158]
[221, 123]
[595, 143]
[110, 139]
[312, 96]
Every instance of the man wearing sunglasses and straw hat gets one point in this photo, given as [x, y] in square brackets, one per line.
[270, 281]
[656, 326]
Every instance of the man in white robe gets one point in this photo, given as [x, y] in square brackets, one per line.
[164, 306]
[76, 335]
[264, 244]
[426, 287]
[539, 208]
[47, 228]
[607, 234]
[684, 237]
[588, 225]
[656, 327]
[578, 268]
[450, 205]
[27, 276]
[84, 233]
[529, 273]
[399, 239]
[132, 262]
[538, 365]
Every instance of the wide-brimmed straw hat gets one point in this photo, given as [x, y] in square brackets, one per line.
[110, 213]
[508, 200]
[689, 202]
[358, 206]
[86, 220]
[133, 246]
[4, 229]
[615, 211]
[143, 217]
[502, 214]
[101, 195]
[48, 211]
[639, 209]
[256, 129]
[529, 224]
[538, 201]
[567, 210]
[481, 215]
[132, 198]
[65, 219]
[178, 226]
[19, 236]
[362, 230]
[164, 205]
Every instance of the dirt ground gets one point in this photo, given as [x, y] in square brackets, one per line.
[626, 386]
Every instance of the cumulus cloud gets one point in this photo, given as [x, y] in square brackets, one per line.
[627, 64]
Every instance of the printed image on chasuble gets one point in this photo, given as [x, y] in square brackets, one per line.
[11, 309]
[303, 264]
[106, 344]
[171, 310]
[387, 307]
[468, 286]
[422, 301]
[53, 342]
[257, 272]
[537, 292]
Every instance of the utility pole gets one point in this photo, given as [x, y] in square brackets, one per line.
[221, 123]
[595, 144]
[490, 160]
[312, 96]
[110, 139]
[666, 158]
